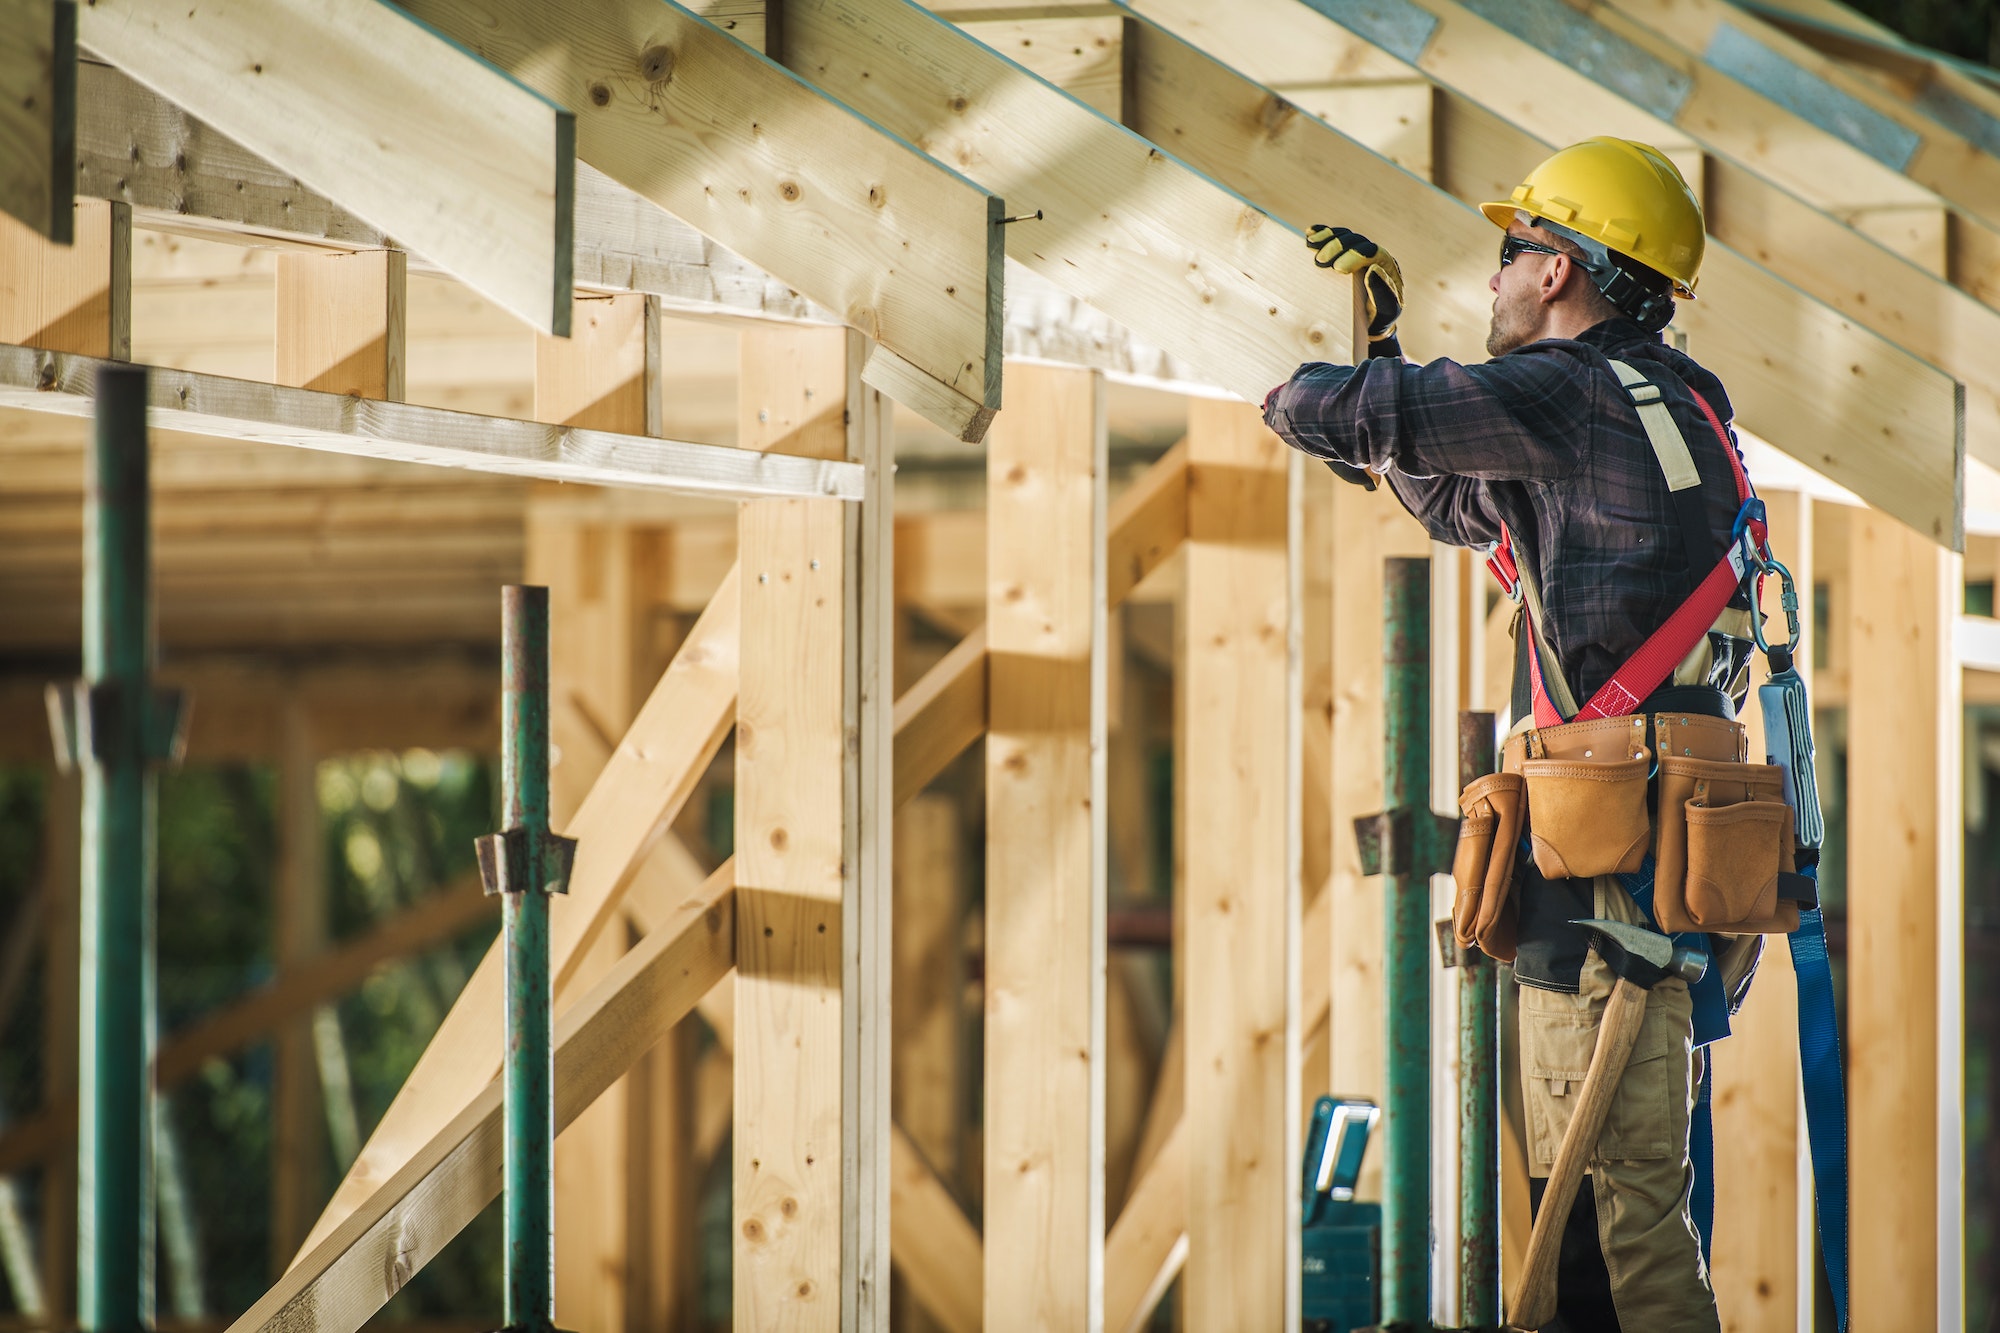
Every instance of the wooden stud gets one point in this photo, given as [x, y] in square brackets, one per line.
[341, 322]
[1239, 797]
[1209, 278]
[38, 115]
[901, 247]
[1903, 734]
[1045, 853]
[1756, 1099]
[439, 128]
[75, 298]
[299, 933]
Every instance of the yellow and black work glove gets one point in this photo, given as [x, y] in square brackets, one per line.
[1346, 251]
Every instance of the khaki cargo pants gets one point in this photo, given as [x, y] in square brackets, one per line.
[1641, 1177]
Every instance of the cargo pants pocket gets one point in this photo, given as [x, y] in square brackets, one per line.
[1649, 1113]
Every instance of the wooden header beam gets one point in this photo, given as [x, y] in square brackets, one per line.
[1127, 228]
[454, 158]
[38, 114]
[904, 248]
[304, 418]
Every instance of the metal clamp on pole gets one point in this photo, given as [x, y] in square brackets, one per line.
[525, 863]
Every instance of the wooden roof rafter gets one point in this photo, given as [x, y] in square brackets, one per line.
[1909, 456]
[457, 159]
[38, 114]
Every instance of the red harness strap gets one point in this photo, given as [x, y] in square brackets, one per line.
[1648, 668]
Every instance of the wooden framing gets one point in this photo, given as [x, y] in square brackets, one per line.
[1126, 228]
[1239, 798]
[440, 128]
[904, 248]
[75, 299]
[303, 418]
[1046, 854]
[38, 114]
[340, 319]
[1300, 167]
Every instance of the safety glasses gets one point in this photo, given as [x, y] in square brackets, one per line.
[1513, 247]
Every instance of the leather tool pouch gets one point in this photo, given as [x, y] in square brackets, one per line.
[1725, 836]
[1484, 912]
[1587, 797]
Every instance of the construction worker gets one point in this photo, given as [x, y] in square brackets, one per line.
[1543, 448]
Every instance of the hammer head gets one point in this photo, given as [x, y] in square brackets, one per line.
[1644, 957]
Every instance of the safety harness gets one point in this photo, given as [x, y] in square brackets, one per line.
[1748, 557]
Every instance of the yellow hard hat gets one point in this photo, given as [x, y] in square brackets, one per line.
[1623, 194]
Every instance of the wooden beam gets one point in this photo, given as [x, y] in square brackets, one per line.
[302, 418]
[340, 322]
[1813, 403]
[1239, 804]
[457, 160]
[1134, 232]
[1045, 853]
[903, 248]
[38, 114]
[299, 925]
[337, 1286]
[1903, 736]
[70, 298]
[650, 776]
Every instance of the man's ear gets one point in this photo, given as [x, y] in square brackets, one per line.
[1554, 278]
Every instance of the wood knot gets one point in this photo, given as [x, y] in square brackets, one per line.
[600, 94]
[780, 840]
[789, 191]
[789, 1207]
[656, 64]
[805, 1290]
[753, 1230]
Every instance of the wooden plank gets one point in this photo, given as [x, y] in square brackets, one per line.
[302, 418]
[903, 248]
[1147, 524]
[340, 322]
[1239, 804]
[792, 866]
[75, 298]
[1045, 853]
[929, 1101]
[346, 1278]
[1149, 1243]
[606, 374]
[1903, 728]
[1082, 54]
[456, 159]
[1754, 1267]
[1812, 403]
[38, 115]
[634, 799]
[299, 932]
[937, 1251]
[1128, 229]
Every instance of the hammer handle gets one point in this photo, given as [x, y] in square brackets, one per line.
[1534, 1302]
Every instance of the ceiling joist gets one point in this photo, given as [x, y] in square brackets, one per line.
[674, 108]
[449, 155]
[211, 405]
[38, 113]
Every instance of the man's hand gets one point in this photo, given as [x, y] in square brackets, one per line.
[1346, 251]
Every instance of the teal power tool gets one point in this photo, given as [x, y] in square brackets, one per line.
[1342, 1239]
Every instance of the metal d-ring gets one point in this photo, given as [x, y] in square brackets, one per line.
[1789, 598]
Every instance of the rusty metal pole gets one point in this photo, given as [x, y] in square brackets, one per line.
[1414, 848]
[525, 863]
[1478, 1085]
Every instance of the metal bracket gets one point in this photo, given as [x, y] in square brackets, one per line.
[87, 719]
[506, 862]
[1408, 841]
[1450, 952]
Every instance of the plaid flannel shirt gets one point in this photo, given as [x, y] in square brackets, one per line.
[1546, 440]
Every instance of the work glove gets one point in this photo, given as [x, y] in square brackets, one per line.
[1346, 251]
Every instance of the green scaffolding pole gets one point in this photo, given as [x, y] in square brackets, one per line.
[116, 728]
[525, 863]
[1478, 1085]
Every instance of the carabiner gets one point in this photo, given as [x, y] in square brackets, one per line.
[1788, 597]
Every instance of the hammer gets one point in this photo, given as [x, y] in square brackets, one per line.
[1641, 959]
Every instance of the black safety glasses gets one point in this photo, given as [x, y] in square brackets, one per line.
[1513, 247]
